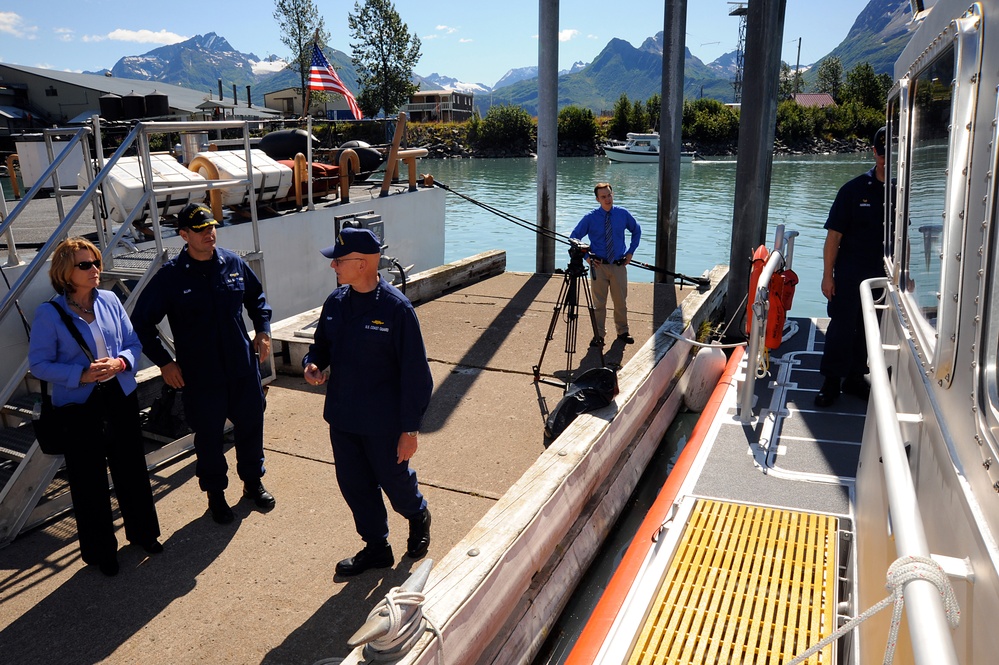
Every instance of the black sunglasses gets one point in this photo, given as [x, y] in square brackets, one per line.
[87, 265]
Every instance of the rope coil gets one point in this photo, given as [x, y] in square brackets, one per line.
[902, 571]
[402, 632]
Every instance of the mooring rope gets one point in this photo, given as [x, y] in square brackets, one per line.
[902, 571]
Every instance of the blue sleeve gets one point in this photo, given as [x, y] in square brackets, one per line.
[255, 301]
[636, 233]
[43, 350]
[582, 228]
[149, 311]
[131, 347]
[319, 350]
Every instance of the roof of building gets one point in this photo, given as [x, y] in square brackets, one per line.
[814, 99]
[181, 98]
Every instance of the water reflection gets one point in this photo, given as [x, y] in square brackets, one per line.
[802, 190]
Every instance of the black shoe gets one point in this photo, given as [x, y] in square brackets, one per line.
[596, 342]
[858, 387]
[829, 392]
[221, 512]
[372, 556]
[109, 566]
[254, 489]
[419, 535]
[626, 338]
[151, 546]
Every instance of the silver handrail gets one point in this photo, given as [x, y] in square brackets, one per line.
[779, 257]
[929, 632]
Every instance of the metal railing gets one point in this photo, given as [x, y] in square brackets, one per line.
[929, 631]
[780, 258]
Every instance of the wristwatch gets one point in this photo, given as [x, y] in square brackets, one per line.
[413, 434]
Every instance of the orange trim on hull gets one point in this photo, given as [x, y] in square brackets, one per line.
[595, 632]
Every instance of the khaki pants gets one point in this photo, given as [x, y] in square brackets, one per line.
[612, 278]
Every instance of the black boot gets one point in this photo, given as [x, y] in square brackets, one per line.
[374, 555]
[254, 489]
[829, 392]
[419, 535]
[221, 512]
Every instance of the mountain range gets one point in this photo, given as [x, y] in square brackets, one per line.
[877, 36]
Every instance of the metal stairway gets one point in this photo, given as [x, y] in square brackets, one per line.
[28, 495]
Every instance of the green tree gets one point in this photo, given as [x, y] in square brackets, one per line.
[506, 126]
[639, 118]
[300, 23]
[620, 123]
[709, 121]
[829, 77]
[865, 87]
[653, 106]
[793, 121]
[384, 56]
[790, 82]
[577, 124]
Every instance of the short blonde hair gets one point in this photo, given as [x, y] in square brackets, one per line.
[64, 263]
[601, 185]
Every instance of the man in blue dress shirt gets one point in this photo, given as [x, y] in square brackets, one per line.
[608, 257]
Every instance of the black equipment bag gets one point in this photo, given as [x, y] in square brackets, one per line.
[594, 389]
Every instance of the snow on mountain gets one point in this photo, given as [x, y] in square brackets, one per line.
[438, 82]
[270, 65]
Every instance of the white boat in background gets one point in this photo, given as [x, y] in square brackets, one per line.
[640, 149]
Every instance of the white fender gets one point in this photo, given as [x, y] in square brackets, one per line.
[701, 376]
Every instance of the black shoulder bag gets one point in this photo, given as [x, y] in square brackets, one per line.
[54, 425]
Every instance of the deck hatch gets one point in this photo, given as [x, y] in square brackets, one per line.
[776, 569]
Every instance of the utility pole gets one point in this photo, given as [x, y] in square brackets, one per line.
[547, 133]
[797, 67]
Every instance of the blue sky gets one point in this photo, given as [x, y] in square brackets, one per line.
[475, 42]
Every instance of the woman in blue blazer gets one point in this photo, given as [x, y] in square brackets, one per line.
[108, 432]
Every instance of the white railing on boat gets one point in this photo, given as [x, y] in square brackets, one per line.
[929, 631]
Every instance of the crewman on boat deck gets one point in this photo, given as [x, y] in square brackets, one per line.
[379, 388]
[854, 251]
[202, 293]
[608, 258]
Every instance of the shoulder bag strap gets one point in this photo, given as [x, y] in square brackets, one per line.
[73, 331]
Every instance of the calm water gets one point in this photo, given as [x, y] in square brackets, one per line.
[803, 189]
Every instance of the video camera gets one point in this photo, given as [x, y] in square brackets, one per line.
[577, 250]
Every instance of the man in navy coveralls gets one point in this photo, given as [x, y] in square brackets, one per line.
[379, 388]
[853, 252]
[202, 293]
[609, 257]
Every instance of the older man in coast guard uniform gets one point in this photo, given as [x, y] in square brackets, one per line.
[379, 388]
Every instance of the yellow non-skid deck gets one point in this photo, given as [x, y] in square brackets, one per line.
[747, 584]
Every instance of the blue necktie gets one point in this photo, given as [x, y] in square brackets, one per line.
[609, 236]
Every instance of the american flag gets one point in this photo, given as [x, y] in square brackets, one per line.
[322, 77]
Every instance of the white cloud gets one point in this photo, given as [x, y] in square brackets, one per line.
[566, 35]
[464, 40]
[446, 29]
[64, 34]
[429, 37]
[137, 36]
[592, 37]
[13, 24]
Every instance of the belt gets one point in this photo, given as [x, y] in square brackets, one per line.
[600, 259]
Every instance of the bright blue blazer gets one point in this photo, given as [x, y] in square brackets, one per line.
[56, 357]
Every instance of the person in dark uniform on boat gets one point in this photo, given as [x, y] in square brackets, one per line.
[379, 388]
[853, 252]
[202, 293]
[608, 258]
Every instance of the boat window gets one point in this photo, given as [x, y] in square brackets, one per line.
[891, 177]
[930, 127]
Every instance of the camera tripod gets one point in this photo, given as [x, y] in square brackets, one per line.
[568, 298]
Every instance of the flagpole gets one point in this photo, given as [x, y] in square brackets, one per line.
[308, 90]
